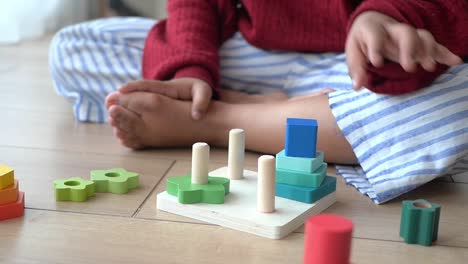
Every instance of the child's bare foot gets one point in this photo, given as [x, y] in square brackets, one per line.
[143, 119]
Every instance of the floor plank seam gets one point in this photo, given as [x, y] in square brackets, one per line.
[83, 152]
[154, 188]
[76, 212]
[207, 224]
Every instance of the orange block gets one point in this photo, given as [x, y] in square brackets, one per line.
[13, 210]
[10, 194]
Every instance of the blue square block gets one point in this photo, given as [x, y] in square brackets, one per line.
[306, 194]
[301, 138]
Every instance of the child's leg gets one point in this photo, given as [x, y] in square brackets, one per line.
[92, 59]
[143, 120]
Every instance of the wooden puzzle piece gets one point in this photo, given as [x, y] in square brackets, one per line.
[313, 180]
[306, 194]
[6, 176]
[116, 180]
[9, 194]
[301, 138]
[73, 189]
[187, 193]
[305, 165]
[419, 222]
[239, 210]
[13, 210]
[327, 239]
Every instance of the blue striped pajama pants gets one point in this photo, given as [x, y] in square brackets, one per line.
[401, 142]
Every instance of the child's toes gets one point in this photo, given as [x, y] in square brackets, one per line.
[123, 118]
[128, 140]
[112, 99]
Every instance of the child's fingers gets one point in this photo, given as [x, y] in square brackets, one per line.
[445, 56]
[357, 64]
[143, 86]
[160, 87]
[426, 55]
[201, 99]
[375, 38]
[408, 43]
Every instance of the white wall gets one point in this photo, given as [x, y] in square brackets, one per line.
[28, 19]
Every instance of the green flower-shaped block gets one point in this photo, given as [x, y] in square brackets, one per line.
[117, 180]
[419, 222]
[73, 189]
[213, 192]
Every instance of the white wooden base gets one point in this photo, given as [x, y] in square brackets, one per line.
[240, 209]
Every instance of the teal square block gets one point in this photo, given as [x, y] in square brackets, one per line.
[306, 165]
[306, 194]
[313, 180]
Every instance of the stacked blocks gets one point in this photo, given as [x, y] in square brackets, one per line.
[11, 199]
[198, 187]
[300, 169]
[419, 222]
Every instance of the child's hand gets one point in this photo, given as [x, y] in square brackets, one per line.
[374, 37]
[193, 89]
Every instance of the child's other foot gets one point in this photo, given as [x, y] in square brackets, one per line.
[143, 119]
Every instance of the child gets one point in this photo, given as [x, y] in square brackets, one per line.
[392, 47]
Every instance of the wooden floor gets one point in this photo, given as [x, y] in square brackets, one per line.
[42, 142]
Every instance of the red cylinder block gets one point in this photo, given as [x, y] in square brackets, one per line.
[327, 239]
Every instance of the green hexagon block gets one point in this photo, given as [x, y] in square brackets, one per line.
[73, 189]
[116, 180]
[419, 222]
[187, 193]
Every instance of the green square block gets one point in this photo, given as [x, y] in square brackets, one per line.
[306, 194]
[313, 180]
[187, 193]
[306, 165]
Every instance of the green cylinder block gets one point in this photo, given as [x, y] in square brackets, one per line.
[419, 222]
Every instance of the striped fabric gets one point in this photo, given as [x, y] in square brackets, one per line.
[401, 142]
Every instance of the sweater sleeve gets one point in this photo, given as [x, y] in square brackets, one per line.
[447, 20]
[186, 43]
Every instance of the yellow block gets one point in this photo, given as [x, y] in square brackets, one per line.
[6, 176]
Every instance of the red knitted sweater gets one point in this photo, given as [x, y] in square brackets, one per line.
[186, 43]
